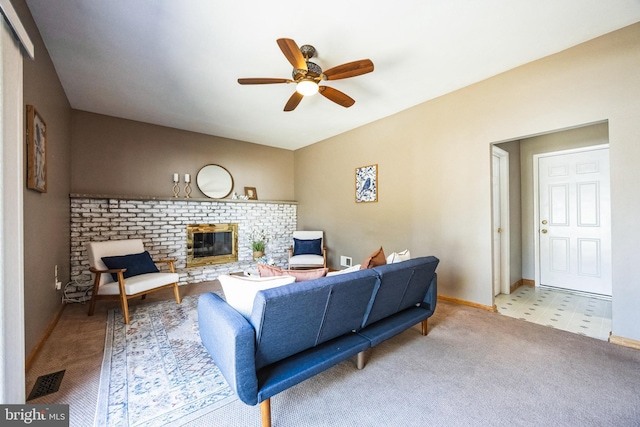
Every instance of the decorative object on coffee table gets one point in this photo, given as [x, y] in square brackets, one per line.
[367, 184]
[251, 193]
[36, 151]
[264, 260]
[258, 243]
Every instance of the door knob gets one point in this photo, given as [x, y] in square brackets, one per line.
[544, 231]
[499, 230]
[544, 221]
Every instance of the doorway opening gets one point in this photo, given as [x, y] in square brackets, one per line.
[524, 230]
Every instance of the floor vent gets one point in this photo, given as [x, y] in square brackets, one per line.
[46, 384]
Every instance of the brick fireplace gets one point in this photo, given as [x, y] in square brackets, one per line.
[162, 224]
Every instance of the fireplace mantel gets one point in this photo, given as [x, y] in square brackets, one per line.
[175, 199]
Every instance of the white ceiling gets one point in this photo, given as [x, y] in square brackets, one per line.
[176, 62]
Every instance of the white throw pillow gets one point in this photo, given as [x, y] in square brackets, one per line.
[240, 291]
[346, 270]
[399, 256]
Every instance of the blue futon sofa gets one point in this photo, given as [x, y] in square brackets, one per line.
[298, 330]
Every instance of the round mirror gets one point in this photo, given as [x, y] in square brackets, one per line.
[215, 181]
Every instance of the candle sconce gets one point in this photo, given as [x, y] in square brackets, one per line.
[187, 186]
[176, 187]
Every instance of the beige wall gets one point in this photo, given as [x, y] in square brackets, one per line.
[123, 157]
[46, 215]
[434, 162]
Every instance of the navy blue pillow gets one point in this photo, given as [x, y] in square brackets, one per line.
[135, 264]
[307, 247]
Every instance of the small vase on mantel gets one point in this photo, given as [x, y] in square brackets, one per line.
[257, 254]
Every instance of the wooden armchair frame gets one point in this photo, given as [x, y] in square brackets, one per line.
[122, 296]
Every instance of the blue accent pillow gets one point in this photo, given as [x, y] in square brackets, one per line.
[135, 264]
[307, 247]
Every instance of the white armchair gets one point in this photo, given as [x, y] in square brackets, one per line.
[308, 250]
[131, 273]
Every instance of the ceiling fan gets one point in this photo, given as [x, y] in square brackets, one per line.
[307, 75]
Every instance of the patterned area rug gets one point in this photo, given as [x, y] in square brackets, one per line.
[155, 371]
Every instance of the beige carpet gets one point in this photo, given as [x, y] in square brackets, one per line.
[475, 368]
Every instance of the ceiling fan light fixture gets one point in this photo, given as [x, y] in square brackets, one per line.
[307, 87]
[307, 75]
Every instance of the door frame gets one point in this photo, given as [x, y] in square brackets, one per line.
[505, 249]
[536, 200]
[12, 329]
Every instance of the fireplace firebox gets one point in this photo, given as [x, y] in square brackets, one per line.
[211, 244]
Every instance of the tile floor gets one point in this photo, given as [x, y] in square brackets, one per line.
[577, 313]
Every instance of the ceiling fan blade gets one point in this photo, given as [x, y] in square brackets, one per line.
[336, 96]
[262, 81]
[293, 54]
[293, 102]
[350, 69]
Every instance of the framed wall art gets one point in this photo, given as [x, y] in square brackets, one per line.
[251, 193]
[367, 184]
[36, 151]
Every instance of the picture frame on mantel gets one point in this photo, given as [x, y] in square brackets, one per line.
[367, 184]
[251, 193]
[36, 151]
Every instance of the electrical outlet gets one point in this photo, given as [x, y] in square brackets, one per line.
[346, 261]
[58, 284]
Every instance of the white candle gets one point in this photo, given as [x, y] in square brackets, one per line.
[176, 177]
[187, 177]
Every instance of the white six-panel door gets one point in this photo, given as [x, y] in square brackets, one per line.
[575, 221]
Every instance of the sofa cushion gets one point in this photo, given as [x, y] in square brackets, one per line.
[240, 291]
[300, 275]
[288, 319]
[307, 247]
[350, 300]
[345, 271]
[402, 285]
[307, 261]
[293, 318]
[135, 264]
[286, 373]
[399, 256]
[393, 325]
[265, 270]
[375, 259]
[140, 283]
